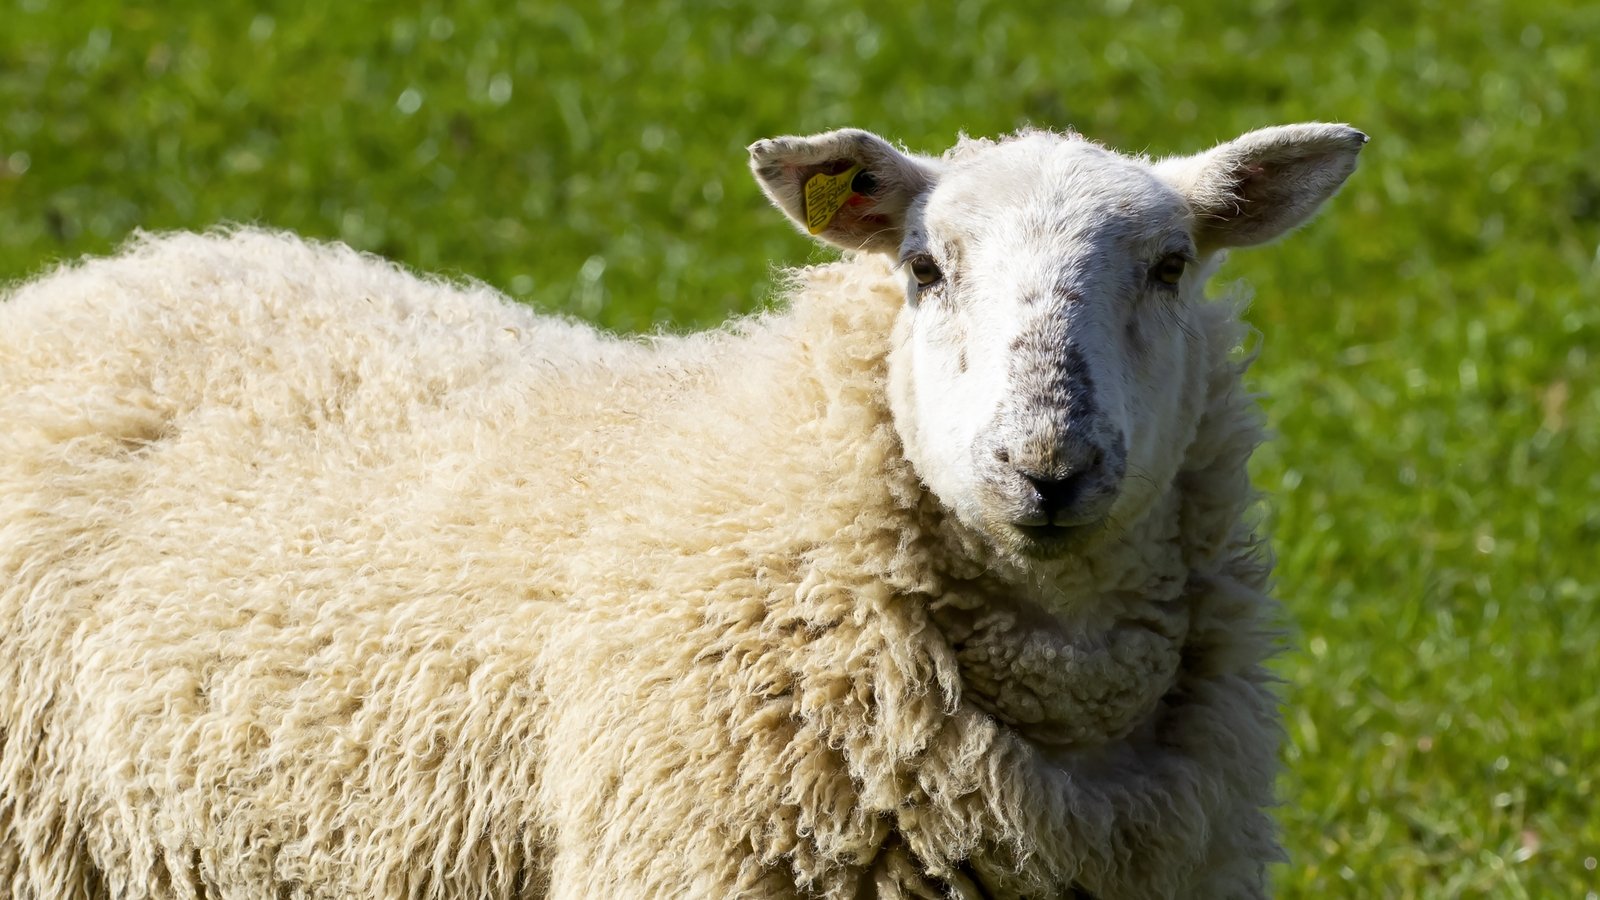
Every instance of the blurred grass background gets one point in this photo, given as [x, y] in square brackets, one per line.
[1431, 344]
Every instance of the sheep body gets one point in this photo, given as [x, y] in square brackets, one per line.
[318, 579]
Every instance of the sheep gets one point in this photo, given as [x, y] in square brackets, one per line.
[320, 579]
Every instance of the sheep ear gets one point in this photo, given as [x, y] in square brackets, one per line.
[849, 187]
[1256, 187]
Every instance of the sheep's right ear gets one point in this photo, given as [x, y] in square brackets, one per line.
[849, 187]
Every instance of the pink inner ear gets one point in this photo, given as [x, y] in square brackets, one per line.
[801, 172]
[1265, 179]
[1246, 177]
[1262, 182]
[853, 219]
[832, 167]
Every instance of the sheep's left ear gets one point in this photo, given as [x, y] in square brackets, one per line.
[849, 187]
[1256, 187]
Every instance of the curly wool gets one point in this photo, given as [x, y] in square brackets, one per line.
[318, 579]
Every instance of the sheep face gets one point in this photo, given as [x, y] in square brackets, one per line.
[1046, 378]
[1040, 382]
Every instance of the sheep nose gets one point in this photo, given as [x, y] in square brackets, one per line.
[1055, 494]
[1066, 493]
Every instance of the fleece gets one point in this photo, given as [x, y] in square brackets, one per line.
[320, 579]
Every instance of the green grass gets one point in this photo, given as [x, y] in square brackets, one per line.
[1431, 345]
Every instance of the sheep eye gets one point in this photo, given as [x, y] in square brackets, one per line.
[1170, 269]
[924, 270]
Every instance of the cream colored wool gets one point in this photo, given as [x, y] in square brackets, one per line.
[321, 580]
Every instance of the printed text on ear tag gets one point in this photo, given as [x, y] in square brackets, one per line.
[824, 195]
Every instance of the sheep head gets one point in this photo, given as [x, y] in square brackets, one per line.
[1045, 378]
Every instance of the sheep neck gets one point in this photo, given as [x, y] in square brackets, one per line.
[1080, 653]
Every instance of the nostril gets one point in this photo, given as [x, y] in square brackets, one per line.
[1055, 494]
[1075, 486]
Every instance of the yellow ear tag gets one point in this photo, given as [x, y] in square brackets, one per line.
[824, 195]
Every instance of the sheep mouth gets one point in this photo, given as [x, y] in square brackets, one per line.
[1022, 527]
[1050, 541]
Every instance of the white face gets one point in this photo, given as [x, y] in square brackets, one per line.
[1046, 375]
[1043, 362]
